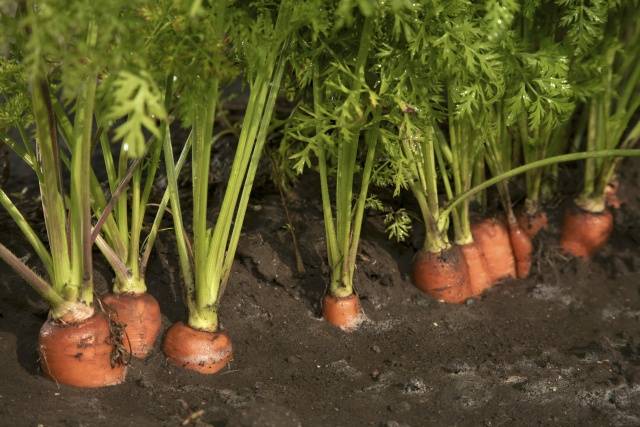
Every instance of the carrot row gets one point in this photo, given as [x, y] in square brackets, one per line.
[498, 251]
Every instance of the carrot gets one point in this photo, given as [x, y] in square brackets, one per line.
[140, 314]
[583, 232]
[479, 278]
[201, 351]
[443, 275]
[522, 249]
[79, 354]
[492, 238]
[532, 223]
[343, 312]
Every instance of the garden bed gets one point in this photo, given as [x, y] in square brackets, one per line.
[561, 347]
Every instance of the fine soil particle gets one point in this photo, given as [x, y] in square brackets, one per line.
[560, 348]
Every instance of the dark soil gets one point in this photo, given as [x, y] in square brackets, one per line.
[560, 348]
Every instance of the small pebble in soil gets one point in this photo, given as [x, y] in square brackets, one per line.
[375, 374]
[414, 386]
[375, 349]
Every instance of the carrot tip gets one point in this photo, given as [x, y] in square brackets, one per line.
[343, 312]
[200, 351]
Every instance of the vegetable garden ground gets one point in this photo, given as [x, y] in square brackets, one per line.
[561, 347]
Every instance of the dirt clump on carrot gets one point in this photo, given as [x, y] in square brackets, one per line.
[80, 354]
[140, 315]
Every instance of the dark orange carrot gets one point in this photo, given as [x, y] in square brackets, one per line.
[201, 351]
[443, 275]
[343, 312]
[522, 249]
[79, 354]
[492, 238]
[583, 232]
[140, 314]
[479, 278]
[532, 223]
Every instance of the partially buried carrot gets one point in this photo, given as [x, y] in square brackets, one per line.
[443, 275]
[584, 232]
[479, 277]
[140, 314]
[492, 238]
[522, 249]
[201, 351]
[343, 312]
[533, 222]
[80, 353]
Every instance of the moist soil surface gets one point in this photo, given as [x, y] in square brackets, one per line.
[559, 348]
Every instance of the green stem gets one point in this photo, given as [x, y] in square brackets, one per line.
[327, 213]
[537, 164]
[589, 165]
[28, 232]
[52, 198]
[157, 221]
[81, 258]
[180, 233]
[372, 136]
[251, 173]
[201, 159]
[44, 289]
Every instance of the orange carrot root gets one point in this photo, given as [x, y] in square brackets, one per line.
[79, 354]
[532, 224]
[522, 250]
[479, 278]
[492, 238]
[140, 313]
[342, 312]
[583, 233]
[200, 351]
[443, 275]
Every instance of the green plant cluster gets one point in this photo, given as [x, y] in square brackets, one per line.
[440, 98]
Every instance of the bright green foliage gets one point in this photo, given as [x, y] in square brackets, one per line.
[138, 100]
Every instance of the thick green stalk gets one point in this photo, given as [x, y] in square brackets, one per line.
[52, 199]
[201, 159]
[250, 176]
[435, 241]
[28, 232]
[589, 165]
[327, 213]
[157, 221]
[43, 288]
[81, 259]
[347, 155]
[121, 213]
[183, 253]
[372, 136]
[250, 126]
